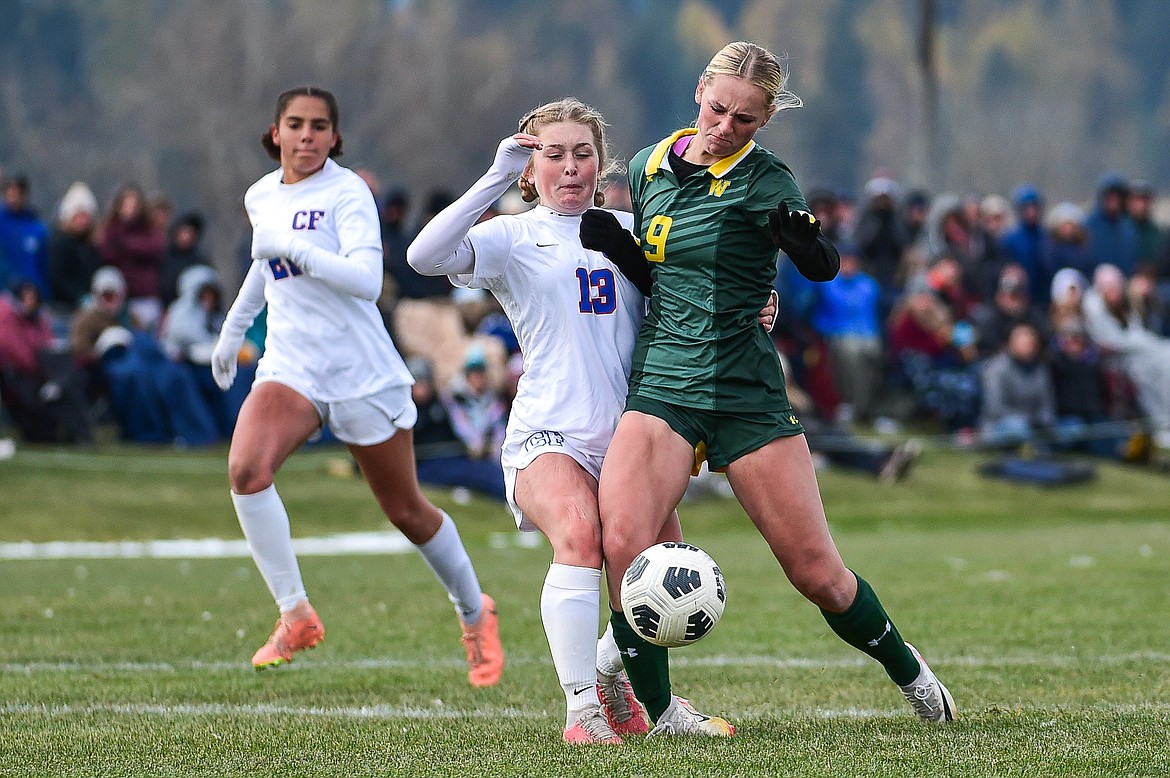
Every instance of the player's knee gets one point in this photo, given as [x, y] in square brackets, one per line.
[248, 476]
[822, 586]
[579, 541]
[418, 521]
[622, 541]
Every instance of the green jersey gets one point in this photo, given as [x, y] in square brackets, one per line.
[712, 263]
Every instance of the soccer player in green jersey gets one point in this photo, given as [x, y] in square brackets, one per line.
[711, 209]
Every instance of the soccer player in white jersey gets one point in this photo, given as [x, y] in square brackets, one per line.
[328, 360]
[576, 318]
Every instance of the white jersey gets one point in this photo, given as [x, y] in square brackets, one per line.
[324, 343]
[575, 316]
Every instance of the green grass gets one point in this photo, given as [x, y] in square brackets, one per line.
[1043, 610]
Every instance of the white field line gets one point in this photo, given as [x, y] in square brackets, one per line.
[728, 660]
[188, 463]
[385, 542]
[220, 709]
[441, 712]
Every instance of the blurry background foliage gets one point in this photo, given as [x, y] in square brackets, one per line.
[173, 94]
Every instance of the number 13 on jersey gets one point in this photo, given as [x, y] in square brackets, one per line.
[655, 246]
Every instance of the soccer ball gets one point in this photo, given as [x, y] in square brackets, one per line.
[673, 594]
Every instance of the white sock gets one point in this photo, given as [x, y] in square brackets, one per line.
[609, 656]
[448, 560]
[570, 605]
[265, 523]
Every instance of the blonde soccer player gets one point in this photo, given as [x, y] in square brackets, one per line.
[711, 208]
[576, 318]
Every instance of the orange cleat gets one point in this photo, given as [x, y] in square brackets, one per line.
[292, 634]
[485, 655]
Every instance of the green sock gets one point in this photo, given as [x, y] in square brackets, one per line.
[866, 626]
[647, 665]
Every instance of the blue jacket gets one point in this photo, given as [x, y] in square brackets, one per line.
[848, 306]
[24, 250]
[1112, 240]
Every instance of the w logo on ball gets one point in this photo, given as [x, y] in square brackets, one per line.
[636, 568]
[680, 580]
[646, 621]
[699, 624]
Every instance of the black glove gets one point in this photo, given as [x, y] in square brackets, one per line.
[601, 231]
[792, 232]
[799, 236]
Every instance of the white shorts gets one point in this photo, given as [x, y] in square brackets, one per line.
[522, 447]
[363, 421]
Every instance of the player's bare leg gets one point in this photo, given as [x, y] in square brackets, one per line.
[389, 469]
[559, 497]
[273, 423]
[777, 487]
[633, 518]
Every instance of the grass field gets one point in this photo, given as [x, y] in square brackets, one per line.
[1045, 612]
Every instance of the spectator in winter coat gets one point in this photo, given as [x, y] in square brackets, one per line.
[182, 252]
[1011, 305]
[24, 239]
[1018, 397]
[1068, 243]
[105, 308]
[188, 335]
[1140, 206]
[1027, 243]
[880, 236]
[73, 255]
[1116, 328]
[1067, 293]
[1082, 411]
[1113, 239]
[192, 323]
[846, 315]
[440, 454]
[131, 242]
[41, 387]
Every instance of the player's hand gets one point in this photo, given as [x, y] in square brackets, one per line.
[268, 243]
[767, 316]
[793, 232]
[601, 231]
[513, 153]
[224, 358]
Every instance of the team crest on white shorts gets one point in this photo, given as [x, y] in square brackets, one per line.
[544, 439]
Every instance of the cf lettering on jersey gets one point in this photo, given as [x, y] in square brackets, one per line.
[544, 438]
[306, 220]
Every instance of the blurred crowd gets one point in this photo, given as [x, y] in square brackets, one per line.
[1001, 320]
[989, 319]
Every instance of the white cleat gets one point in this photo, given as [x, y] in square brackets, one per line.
[927, 696]
[682, 719]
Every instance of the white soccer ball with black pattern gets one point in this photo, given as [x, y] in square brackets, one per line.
[673, 594]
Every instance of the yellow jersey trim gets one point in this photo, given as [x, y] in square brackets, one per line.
[718, 170]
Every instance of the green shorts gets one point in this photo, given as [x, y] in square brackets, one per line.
[726, 436]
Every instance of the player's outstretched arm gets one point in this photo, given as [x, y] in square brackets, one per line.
[601, 231]
[798, 235]
[441, 248]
